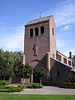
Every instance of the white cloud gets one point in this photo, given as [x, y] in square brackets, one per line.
[13, 41]
[66, 28]
[60, 44]
[67, 1]
[66, 51]
[64, 14]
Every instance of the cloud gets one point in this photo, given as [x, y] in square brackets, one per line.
[60, 44]
[64, 14]
[66, 28]
[66, 51]
[14, 39]
[62, 47]
[67, 1]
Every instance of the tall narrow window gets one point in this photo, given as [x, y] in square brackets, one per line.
[65, 60]
[69, 62]
[31, 32]
[36, 31]
[52, 31]
[58, 73]
[42, 30]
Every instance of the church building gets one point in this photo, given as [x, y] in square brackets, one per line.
[40, 51]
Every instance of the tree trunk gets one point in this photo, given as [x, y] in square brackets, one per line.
[10, 80]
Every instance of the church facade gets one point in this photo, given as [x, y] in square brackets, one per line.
[40, 50]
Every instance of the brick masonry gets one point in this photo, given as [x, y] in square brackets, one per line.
[42, 42]
[46, 57]
[59, 72]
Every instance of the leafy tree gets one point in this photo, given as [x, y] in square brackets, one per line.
[9, 63]
[6, 64]
[73, 60]
[17, 58]
[39, 72]
[25, 71]
[1, 62]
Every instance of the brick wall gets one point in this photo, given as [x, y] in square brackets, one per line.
[42, 42]
[59, 72]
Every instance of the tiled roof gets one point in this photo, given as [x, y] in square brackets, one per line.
[39, 20]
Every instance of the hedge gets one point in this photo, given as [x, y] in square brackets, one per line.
[69, 85]
[33, 85]
[71, 79]
[3, 82]
[10, 89]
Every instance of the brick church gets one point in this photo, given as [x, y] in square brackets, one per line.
[40, 50]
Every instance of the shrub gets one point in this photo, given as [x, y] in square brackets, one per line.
[34, 85]
[4, 90]
[69, 85]
[14, 89]
[11, 89]
[3, 82]
[71, 79]
[2, 87]
[70, 82]
[29, 86]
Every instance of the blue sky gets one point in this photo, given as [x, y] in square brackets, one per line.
[14, 14]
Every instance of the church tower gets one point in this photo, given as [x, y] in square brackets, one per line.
[40, 42]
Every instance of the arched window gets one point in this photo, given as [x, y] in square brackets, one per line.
[36, 31]
[42, 30]
[52, 31]
[31, 32]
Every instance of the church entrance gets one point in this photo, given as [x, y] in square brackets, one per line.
[36, 79]
[34, 64]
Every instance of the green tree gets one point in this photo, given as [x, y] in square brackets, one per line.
[73, 60]
[39, 72]
[6, 64]
[17, 58]
[9, 63]
[25, 71]
[1, 62]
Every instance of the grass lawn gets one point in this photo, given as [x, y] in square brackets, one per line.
[35, 97]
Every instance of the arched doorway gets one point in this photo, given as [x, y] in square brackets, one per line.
[34, 64]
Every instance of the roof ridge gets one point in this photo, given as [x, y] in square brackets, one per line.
[38, 20]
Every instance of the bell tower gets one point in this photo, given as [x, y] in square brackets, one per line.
[40, 40]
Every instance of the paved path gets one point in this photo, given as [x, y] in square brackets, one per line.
[49, 90]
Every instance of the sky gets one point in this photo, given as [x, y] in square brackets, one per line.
[14, 14]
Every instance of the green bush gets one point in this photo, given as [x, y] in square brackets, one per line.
[4, 90]
[29, 86]
[71, 79]
[14, 89]
[69, 85]
[10, 89]
[3, 82]
[2, 87]
[34, 85]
